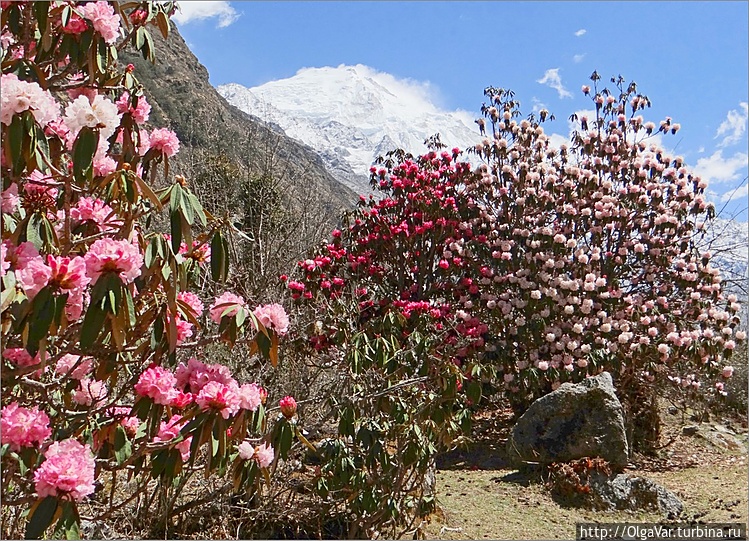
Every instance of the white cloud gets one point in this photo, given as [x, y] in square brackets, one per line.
[538, 105]
[734, 125]
[198, 10]
[580, 32]
[578, 58]
[701, 150]
[551, 78]
[716, 168]
[738, 193]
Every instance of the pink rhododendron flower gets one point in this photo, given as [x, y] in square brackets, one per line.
[20, 357]
[196, 374]
[76, 25]
[103, 18]
[164, 140]
[108, 255]
[227, 302]
[33, 277]
[23, 427]
[249, 396]
[191, 300]
[74, 306]
[67, 274]
[184, 330]
[90, 392]
[19, 96]
[140, 113]
[727, 371]
[182, 400]
[64, 366]
[262, 454]
[96, 211]
[4, 262]
[158, 384]
[68, 470]
[10, 199]
[219, 397]
[104, 165]
[288, 406]
[170, 430]
[100, 113]
[273, 316]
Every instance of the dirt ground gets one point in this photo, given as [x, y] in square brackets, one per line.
[481, 497]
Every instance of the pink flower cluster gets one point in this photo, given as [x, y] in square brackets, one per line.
[273, 316]
[108, 255]
[140, 113]
[90, 392]
[165, 141]
[262, 454]
[103, 18]
[170, 430]
[99, 113]
[94, 211]
[195, 305]
[227, 305]
[23, 427]
[19, 96]
[68, 470]
[157, 383]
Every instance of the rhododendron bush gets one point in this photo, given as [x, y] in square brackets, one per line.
[102, 322]
[541, 265]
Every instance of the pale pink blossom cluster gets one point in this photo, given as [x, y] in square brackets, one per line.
[23, 427]
[103, 18]
[10, 199]
[100, 113]
[96, 211]
[109, 255]
[139, 113]
[226, 305]
[262, 454]
[158, 384]
[219, 397]
[170, 430]
[90, 392]
[19, 96]
[20, 357]
[68, 470]
[195, 305]
[273, 316]
[74, 366]
[165, 141]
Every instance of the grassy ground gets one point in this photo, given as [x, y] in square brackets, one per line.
[481, 497]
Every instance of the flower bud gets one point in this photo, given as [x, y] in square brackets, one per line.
[288, 406]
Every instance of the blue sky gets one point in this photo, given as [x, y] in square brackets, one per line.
[689, 58]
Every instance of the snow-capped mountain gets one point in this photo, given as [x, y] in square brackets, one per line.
[352, 114]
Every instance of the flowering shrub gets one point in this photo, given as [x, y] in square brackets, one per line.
[97, 307]
[540, 266]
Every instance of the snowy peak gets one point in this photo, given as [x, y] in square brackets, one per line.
[352, 114]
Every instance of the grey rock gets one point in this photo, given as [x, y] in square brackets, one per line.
[575, 421]
[625, 492]
[690, 430]
[673, 410]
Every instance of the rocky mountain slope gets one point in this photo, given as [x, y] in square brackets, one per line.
[351, 115]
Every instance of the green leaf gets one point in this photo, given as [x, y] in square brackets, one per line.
[139, 38]
[42, 314]
[175, 219]
[93, 321]
[41, 11]
[84, 149]
[41, 517]
[122, 446]
[130, 307]
[198, 208]
[217, 258]
[68, 523]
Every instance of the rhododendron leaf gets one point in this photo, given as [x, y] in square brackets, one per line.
[84, 149]
[41, 10]
[130, 307]
[175, 220]
[198, 208]
[93, 321]
[43, 309]
[67, 12]
[285, 439]
[162, 21]
[16, 138]
[218, 258]
[68, 524]
[473, 391]
[41, 516]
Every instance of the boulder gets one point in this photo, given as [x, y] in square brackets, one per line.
[624, 492]
[575, 421]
